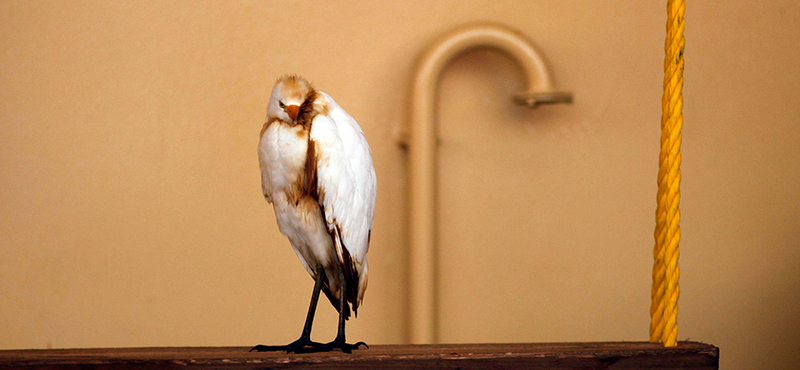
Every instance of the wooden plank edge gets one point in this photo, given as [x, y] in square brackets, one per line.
[608, 355]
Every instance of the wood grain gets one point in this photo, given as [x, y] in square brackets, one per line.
[598, 355]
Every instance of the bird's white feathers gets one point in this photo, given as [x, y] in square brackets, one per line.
[323, 196]
[345, 172]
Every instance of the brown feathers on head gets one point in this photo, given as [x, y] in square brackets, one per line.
[292, 92]
[297, 87]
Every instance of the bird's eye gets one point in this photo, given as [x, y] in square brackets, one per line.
[280, 104]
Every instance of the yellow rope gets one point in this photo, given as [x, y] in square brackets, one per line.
[665, 289]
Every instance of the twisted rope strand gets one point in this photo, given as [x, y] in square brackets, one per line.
[665, 290]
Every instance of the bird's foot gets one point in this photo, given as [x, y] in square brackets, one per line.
[302, 345]
[340, 344]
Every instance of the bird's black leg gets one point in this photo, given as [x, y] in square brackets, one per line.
[304, 344]
[340, 342]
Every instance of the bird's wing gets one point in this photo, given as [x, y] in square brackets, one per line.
[346, 181]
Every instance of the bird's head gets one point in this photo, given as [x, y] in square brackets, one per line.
[288, 95]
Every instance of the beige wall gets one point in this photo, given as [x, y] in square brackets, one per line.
[130, 207]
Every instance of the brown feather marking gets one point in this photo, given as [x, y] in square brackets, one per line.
[295, 84]
[348, 269]
[304, 118]
[310, 172]
[307, 112]
[334, 261]
[350, 273]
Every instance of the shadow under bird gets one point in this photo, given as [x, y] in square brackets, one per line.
[317, 172]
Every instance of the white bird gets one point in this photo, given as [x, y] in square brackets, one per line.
[317, 171]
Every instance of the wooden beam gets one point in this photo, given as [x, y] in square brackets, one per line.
[600, 355]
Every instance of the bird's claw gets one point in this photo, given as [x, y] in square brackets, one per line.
[342, 345]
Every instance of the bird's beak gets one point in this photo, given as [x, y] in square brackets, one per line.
[292, 111]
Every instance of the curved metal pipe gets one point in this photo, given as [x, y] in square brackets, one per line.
[422, 151]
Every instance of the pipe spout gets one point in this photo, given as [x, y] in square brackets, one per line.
[420, 139]
[533, 99]
[539, 87]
